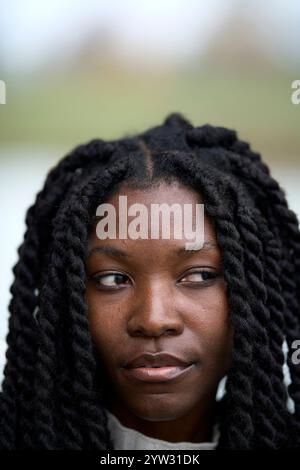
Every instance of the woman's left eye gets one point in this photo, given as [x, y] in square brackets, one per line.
[199, 277]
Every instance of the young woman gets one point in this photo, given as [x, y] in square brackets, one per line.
[121, 343]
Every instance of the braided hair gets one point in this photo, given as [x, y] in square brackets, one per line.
[52, 394]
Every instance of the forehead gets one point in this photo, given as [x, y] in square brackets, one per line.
[161, 193]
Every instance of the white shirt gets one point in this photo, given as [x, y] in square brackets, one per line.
[125, 438]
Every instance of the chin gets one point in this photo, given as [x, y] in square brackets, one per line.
[157, 410]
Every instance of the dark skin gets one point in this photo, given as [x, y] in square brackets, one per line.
[160, 301]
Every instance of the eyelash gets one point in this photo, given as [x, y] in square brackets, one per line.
[191, 284]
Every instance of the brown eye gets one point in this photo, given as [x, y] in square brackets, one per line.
[110, 281]
[199, 277]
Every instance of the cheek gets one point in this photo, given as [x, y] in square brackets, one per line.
[105, 323]
[219, 334]
[208, 306]
[209, 314]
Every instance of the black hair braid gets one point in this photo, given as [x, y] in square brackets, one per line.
[268, 371]
[286, 224]
[47, 363]
[22, 326]
[82, 358]
[80, 157]
[177, 120]
[275, 324]
[24, 302]
[267, 404]
[17, 393]
[21, 336]
[275, 300]
[46, 366]
[286, 221]
[208, 136]
[271, 417]
[69, 435]
[48, 343]
[292, 334]
[239, 388]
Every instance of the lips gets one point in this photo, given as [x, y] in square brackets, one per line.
[158, 374]
[161, 359]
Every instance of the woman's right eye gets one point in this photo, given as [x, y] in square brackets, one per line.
[110, 281]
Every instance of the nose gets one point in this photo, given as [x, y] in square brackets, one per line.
[154, 312]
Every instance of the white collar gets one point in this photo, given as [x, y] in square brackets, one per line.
[125, 438]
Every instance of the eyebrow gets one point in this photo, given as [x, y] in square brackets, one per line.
[116, 252]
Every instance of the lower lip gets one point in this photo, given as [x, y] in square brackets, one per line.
[158, 374]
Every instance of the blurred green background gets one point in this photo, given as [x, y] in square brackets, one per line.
[73, 108]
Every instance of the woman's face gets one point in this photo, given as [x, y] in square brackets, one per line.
[143, 296]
